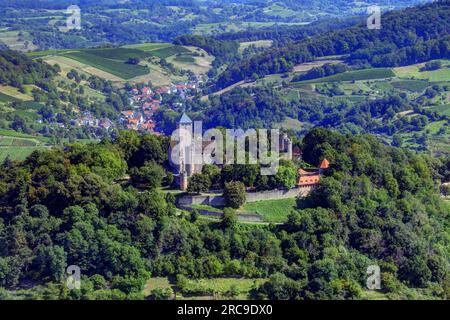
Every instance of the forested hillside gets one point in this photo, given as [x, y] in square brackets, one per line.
[377, 205]
[18, 70]
[31, 25]
[407, 36]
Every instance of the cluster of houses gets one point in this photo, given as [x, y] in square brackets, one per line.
[146, 102]
[87, 119]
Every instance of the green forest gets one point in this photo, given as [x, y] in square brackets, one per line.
[86, 118]
[377, 205]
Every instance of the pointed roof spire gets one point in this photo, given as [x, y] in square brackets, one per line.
[325, 164]
[185, 119]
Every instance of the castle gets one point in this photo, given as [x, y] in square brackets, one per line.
[189, 160]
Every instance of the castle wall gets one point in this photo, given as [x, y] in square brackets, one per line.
[218, 200]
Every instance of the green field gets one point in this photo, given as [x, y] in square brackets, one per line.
[7, 98]
[357, 75]
[117, 68]
[200, 289]
[185, 58]
[112, 61]
[18, 145]
[276, 10]
[18, 153]
[164, 53]
[148, 46]
[275, 211]
[121, 54]
[442, 110]
[219, 287]
[40, 54]
[257, 44]
[415, 71]
[411, 85]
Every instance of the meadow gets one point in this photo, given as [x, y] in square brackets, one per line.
[257, 44]
[17, 148]
[111, 63]
[416, 71]
[201, 289]
[117, 68]
[275, 211]
[6, 98]
[357, 75]
[411, 85]
[10, 94]
[443, 110]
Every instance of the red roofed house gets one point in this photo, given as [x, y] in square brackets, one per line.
[146, 90]
[312, 178]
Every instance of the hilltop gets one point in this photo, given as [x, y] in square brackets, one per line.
[40, 25]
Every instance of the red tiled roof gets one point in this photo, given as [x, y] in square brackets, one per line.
[309, 180]
[324, 164]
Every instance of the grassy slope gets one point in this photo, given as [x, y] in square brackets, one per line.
[110, 63]
[117, 68]
[357, 75]
[275, 211]
[218, 285]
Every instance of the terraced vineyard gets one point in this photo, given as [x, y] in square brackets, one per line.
[117, 68]
[16, 147]
[113, 63]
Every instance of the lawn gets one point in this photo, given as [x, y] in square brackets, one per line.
[206, 207]
[275, 211]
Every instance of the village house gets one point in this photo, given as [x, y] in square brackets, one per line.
[309, 178]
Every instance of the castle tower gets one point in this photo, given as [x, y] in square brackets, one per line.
[324, 165]
[289, 149]
[186, 139]
[183, 181]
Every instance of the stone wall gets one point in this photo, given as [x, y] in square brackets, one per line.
[278, 194]
[218, 201]
[239, 216]
[215, 201]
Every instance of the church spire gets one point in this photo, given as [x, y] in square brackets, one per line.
[185, 119]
